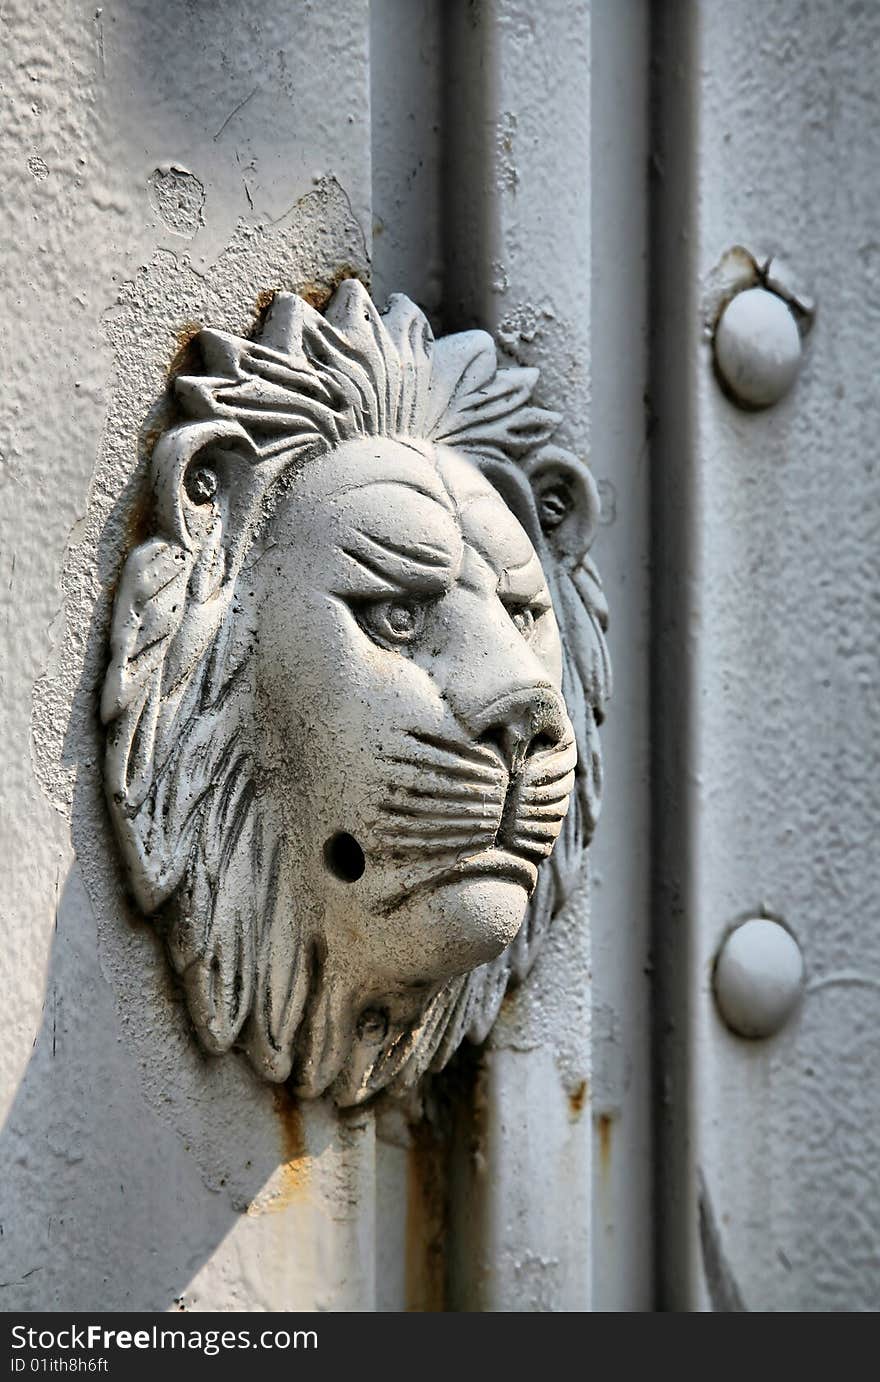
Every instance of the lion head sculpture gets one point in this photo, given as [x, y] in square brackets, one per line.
[355, 679]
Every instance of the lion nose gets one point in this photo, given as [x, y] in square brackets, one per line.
[521, 723]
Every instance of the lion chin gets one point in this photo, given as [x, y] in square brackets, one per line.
[355, 679]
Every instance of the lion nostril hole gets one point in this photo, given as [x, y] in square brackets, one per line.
[494, 738]
[344, 857]
[542, 742]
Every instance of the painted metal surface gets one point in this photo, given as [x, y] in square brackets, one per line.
[208, 160]
[620, 448]
[544, 170]
[767, 721]
[146, 144]
[491, 159]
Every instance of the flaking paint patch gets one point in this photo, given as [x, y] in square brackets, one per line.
[178, 198]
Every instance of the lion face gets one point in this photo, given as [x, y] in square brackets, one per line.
[338, 755]
[411, 733]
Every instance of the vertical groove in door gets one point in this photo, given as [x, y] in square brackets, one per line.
[675, 615]
[620, 456]
[487, 124]
[407, 83]
[516, 184]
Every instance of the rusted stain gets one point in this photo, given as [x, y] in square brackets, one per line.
[604, 1124]
[185, 358]
[577, 1099]
[139, 519]
[426, 1220]
[287, 1108]
[264, 301]
[319, 292]
[148, 438]
[293, 1180]
[460, 1120]
[509, 999]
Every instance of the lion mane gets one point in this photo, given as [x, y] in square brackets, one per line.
[201, 852]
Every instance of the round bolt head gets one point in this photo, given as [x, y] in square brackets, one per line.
[759, 978]
[757, 347]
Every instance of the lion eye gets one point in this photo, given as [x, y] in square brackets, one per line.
[397, 622]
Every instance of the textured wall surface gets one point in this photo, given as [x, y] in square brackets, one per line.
[162, 165]
[165, 165]
[768, 659]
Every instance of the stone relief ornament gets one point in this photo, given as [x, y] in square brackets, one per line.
[354, 685]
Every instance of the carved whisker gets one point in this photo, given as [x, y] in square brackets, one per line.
[547, 769]
[392, 831]
[524, 819]
[536, 837]
[452, 794]
[434, 829]
[553, 754]
[543, 792]
[464, 772]
[525, 836]
[542, 810]
[436, 810]
[473, 753]
[528, 840]
[526, 830]
[464, 840]
[551, 811]
[534, 856]
[556, 791]
[427, 831]
[544, 774]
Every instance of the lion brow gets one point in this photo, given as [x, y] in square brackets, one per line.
[404, 567]
[441, 499]
[420, 553]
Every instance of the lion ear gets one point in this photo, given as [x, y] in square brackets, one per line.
[566, 500]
